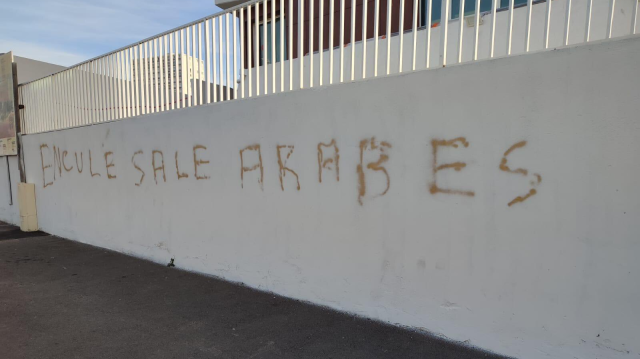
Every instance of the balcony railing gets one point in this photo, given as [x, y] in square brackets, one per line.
[271, 46]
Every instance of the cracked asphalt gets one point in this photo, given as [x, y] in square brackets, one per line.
[64, 299]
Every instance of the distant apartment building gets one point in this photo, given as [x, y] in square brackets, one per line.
[181, 68]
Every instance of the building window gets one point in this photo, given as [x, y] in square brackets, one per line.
[269, 33]
[469, 8]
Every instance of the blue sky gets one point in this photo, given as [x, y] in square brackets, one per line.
[66, 32]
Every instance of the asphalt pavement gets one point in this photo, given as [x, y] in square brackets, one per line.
[64, 299]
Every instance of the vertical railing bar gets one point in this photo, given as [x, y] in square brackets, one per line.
[547, 25]
[95, 90]
[40, 96]
[494, 9]
[587, 29]
[153, 75]
[401, 30]
[62, 99]
[147, 79]
[112, 82]
[321, 42]
[159, 76]
[567, 23]
[389, 13]
[173, 70]
[428, 25]
[135, 68]
[72, 98]
[235, 55]
[34, 119]
[342, 40]
[207, 68]
[634, 18]
[364, 39]
[119, 81]
[98, 76]
[311, 5]
[215, 54]
[331, 29]
[58, 101]
[188, 93]
[227, 66]
[195, 67]
[80, 92]
[461, 33]
[126, 61]
[182, 70]
[444, 32]
[264, 47]
[241, 74]
[218, 76]
[60, 95]
[301, 40]
[414, 34]
[256, 53]
[89, 92]
[250, 35]
[200, 62]
[167, 69]
[612, 5]
[71, 91]
[527, 30]
[113, 88]
[510, 27]
[353, 39]
[103, 90]
[273, 46]
[290, 45]
[282, 44]
[477, 31]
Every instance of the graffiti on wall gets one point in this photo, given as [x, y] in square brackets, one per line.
[373, 178]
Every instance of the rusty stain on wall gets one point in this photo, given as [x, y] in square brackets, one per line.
[81, 160]
[133, 161]
[64, 156]
[57, 162]
[109, 164]
[243, 168]
[156, 168]
[521, 171]
[457, 166]
[180, 175]
[198, 162]
[371, 145]
[327, 163]
[91, 167]
[283, 164]
[44, 167]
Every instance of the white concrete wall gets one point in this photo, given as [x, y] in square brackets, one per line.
[553, 275]
[9, 210]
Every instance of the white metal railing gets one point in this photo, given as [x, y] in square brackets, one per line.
[306, 43]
